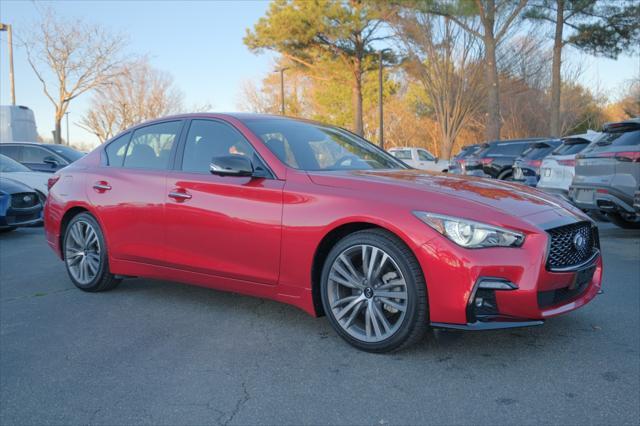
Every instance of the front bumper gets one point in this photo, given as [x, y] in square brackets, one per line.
[452, 274]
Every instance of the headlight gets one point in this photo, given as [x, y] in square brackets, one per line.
[470, 234]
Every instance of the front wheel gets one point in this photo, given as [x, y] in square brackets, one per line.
[85, 255]
[374, 293]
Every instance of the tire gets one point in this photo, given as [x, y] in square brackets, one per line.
[400, 322]
[85, 255]
[620, 221]
[508, 176]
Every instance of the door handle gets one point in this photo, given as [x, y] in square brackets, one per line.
[101, 186]
[180, 196]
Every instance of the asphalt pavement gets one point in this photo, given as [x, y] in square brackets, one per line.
[154, 352]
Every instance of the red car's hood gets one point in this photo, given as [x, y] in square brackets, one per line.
[510, 198]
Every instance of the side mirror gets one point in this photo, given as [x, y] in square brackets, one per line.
[231, 165]
[51, 161]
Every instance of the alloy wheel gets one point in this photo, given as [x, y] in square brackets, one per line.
[82, 252]
[367, 293]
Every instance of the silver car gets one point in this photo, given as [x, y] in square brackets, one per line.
[607, 174]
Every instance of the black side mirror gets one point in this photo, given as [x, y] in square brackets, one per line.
[231, 165]
[51, 161]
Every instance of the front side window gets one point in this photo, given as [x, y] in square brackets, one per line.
[314, 147]
[150, 146]
[116, 149]
[207, 139]
[425, 156]
[11, 151]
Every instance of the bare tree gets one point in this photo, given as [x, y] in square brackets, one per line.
[448, 63]
[139, 93]
[71, 58]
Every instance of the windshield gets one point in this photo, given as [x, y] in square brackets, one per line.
[8, 165]
[402, 154]
[67, 152]
[314, 147]
[571, 147]
[540, 150]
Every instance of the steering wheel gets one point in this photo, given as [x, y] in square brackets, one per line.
[343, 159]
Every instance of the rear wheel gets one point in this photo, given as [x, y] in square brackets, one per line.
[624, 221]
[85, 255]
[374, 293]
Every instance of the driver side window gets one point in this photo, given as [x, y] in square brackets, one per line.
[425, 156]
[207, 139]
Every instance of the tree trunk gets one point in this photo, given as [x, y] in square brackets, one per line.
[358, 127]
[492, 130]
[556, 77]
[57, 136]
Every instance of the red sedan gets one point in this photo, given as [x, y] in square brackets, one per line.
[317, 217]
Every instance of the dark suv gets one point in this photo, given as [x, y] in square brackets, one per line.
[608, 174]
[40, 157]
[455, 165]
[495, 159]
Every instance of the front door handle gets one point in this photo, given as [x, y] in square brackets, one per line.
[180, 196]
[101, 186]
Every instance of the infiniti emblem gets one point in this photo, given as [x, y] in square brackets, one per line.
[26, 198]
[579, 242]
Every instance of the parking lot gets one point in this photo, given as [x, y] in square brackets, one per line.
[153, 352]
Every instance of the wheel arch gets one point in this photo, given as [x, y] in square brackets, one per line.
[330, 239]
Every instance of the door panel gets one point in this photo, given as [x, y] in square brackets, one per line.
[130, 206]
[229, 226]
[222, 225]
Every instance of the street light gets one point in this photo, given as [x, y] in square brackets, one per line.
[380, 101]
[66, 114]
[7, 28]
[281, 71]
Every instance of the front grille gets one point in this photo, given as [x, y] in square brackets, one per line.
[563, 250]
[24, 200]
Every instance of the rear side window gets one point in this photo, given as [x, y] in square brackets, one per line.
[402, 154]
[116, 149]
[14, 152]
[150, 146]
[207, 139]
[507, 149]
[36, 155]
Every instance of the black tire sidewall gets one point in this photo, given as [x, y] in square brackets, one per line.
[388, 244]
[103, 270]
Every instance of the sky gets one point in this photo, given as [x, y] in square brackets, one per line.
[199, 43]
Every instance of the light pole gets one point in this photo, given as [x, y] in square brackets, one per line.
[66, 114]
[7, 28]
[282, 70]
[381, 97]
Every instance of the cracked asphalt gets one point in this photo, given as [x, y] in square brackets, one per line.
[153, 352]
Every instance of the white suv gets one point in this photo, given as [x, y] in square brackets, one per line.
[420, 158]
[558, 168]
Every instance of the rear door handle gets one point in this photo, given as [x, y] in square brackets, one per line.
[101, 186]
[180, 196]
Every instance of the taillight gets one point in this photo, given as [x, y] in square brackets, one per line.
[52, 181]
[486, 161]
[534, 163]
[570, 163]
[632, 156]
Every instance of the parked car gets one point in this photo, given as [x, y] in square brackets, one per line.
[19, 205]
[558, 168]
[420, 158]
[16, 171]
[40, 157]
[317, 217]
[526, 168]
[456, 165]
[495, 159]
[608, 174]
